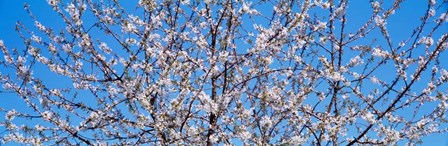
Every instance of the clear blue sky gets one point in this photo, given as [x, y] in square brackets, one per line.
[12, 11]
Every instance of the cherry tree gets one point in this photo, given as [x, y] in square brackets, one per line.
[226, 72]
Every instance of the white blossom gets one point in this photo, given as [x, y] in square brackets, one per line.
[11, 114]
[265, 121]
[432, 2]
[432, 12]
[356, 61]
[245, 135]
[443, 18]
[53, 2]
[39, 26]
[129, 27]
[374, 80]
[105, 48]
[378, 52]
[369, 117]
[8, 59]
[208, 1]
[36, 39]
[376, 6]
[320, 26]
[47, 115]
[427, 41]
[298, 139]
[380, 21]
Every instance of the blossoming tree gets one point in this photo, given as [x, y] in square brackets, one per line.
[225, 72]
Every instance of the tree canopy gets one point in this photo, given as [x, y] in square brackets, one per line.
[227, 72]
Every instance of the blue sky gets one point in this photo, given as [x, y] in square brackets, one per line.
[11, 11]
